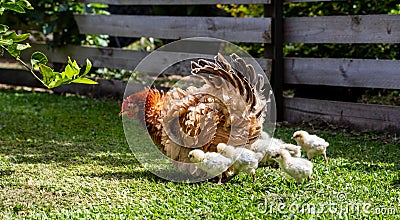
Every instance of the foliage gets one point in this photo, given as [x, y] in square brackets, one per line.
[348, 7]
[144, 44]
[381, 97]
[396, 10]
[54, 18]
[67, 158]
[243, 11]
[12, 43]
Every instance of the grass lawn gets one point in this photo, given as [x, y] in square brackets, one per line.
[67, 157]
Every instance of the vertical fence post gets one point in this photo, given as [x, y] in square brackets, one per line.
[275, 11]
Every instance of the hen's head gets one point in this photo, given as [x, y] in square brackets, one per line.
[133, 105]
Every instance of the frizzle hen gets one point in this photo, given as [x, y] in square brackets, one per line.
[228, 108]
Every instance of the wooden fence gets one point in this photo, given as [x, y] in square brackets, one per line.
[341, 72]
[274, 31]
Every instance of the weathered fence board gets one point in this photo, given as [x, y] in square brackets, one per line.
[366, 116]
[13, 77]
[99, 56]
[176, 2]
[256, 30]
[105, 88]
[125, 59]
[192, 2]
[343, 29]
[365, 73]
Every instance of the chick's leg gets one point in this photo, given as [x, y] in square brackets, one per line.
[219, 179]
[254, 176]
[325, 158]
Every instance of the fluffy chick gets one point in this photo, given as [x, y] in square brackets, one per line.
[294, 150]
[211, 162]
[311, 144]
[244, 160]
[297, 168]
[269, 146]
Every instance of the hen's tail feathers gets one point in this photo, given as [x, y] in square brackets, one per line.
[241, 76]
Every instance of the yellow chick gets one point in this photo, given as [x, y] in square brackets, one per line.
[211, 162]
[297, 168]
[268, 146]
[311, 144]
[244, 160]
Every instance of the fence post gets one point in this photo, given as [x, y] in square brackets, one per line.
[275, 51]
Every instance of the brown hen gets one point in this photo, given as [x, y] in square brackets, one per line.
[228, 108]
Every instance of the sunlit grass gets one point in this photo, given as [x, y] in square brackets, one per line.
[67, 157]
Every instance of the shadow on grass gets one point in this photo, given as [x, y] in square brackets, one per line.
[396, 183]
[140, 175]
[126, 175]
[66, 156]
[6, 172]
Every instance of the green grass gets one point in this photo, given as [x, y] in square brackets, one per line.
[67, 157]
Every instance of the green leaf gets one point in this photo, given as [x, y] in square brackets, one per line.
[97, 5]
[88, 67]
[70, 72]
[3, 28]
[16, 38]
[85, 81]
[13, 7]
[25, 4]
[23, 46]
[5, 42]
[73, 65]
[38, 58]
[47, 74]
[56, 81]
[13, 50]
